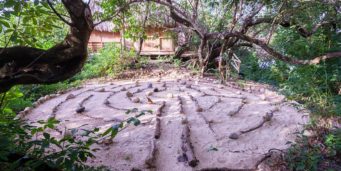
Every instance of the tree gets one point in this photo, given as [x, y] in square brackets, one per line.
[30, 65]
[221, 26]
[230, 24]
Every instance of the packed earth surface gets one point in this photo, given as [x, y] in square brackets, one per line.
[196, 123]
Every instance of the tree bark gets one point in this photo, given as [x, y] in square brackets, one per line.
[29, 65]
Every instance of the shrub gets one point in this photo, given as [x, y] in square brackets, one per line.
[108, 61]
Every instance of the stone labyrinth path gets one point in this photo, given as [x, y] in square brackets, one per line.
[196, 124]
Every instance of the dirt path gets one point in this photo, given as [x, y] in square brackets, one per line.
[202, 125]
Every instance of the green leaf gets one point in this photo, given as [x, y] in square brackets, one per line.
[46, 135]
[134, 121]
[5, 23]
[10, 3]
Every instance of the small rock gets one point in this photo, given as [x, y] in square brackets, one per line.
[156, 90]
[70, 96]
[150, 85]
[188, 86]
[170, 95]
[47, 97]
[234, 136]
[138, 90]
[129, 94]
[262, 90]
[268, 116]
[184, 121]
[135, 100]
[262, 97]
[276, 109]
[163, 85]
[182, 158]
[80, 109]
[106, 102]
[35, 104]
[308, 133]
[137, 83]
[123, 89]
[101, 90]
[107, 141]
[178, 80]
[27, 109]
[238, 92]
[150, 101]
[41, 99]
[244, 101]
[183, 82]
[149, 93]
[19, 116]
[199, 109]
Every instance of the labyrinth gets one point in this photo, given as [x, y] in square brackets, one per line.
[195, 124]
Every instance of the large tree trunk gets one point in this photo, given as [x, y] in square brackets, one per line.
[28, 65]
[201, 55]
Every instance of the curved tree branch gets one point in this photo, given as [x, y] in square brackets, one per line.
[59, 16]
[28, 65]
[282, 57]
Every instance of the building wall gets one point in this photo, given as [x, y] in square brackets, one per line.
[157, 42]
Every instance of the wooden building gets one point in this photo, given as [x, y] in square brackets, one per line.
[156, 22]
[158, 42]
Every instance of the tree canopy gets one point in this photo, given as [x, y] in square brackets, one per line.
[219, 26]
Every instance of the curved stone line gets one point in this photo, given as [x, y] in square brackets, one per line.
[180, 103]
[107, 102]
[81, 107]
[215, 103]
[68, 97]
[240, 107]
[266, 118]
[217, 95]
[151, 157]
[187, 147]
[199, 112]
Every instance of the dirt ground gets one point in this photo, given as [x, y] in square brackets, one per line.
[197, 123]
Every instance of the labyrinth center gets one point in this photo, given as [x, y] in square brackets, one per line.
[196, 124]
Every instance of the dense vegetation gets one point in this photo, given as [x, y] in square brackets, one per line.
[316, 86]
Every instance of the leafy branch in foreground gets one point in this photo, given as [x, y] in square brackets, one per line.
[115, 129]
[25, 146]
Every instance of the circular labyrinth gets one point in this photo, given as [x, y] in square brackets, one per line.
[195, 125]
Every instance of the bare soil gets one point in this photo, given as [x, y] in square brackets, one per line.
[203, 125]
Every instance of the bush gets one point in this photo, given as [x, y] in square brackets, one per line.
[27, 147]
[12, 102]
[107, 62]
[319, 152]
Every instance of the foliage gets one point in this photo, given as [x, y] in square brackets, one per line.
[30, 147]
[115, 129]
[107, 62]
[34, 92]
[29, 23]
[12, 102]
[318, 152]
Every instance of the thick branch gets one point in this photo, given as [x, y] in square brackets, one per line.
[284, 58]
[28, 65]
